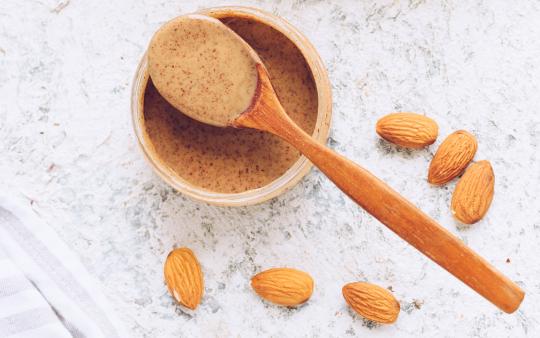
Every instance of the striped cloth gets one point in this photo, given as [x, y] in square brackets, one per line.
[44, 290]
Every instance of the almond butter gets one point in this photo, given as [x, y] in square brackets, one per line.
[452, 157]
[408, 129]
[372, 302]
[474, 193]
[283, 286]
[184, 277]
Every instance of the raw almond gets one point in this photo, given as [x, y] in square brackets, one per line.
[184, 277]
[371, 302]
[474, 193]
[283, 286]
[408, 129]
[452, 157]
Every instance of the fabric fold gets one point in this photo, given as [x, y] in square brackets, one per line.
[44, 289]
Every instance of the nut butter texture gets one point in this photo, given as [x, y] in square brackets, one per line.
[203, 68]
[229, 160]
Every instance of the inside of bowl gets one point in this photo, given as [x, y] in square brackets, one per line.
[227, 160]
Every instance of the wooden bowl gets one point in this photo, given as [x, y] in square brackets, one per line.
[296, 172]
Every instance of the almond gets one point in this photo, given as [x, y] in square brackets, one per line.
[371, 302]
[184, 277]
[408, 129]
[474, 193]
[283, 286]
[452, 157]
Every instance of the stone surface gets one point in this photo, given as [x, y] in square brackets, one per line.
[67, 145]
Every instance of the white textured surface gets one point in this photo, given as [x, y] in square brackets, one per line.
[67, 144]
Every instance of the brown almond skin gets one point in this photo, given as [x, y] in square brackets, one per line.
[409, 130]
[184, 277]
[372, 302]
[283, 286]
[452, 157]
[474, 193]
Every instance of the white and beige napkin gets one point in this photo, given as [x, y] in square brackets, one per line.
[44, 289]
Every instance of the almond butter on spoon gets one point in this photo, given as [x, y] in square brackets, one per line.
[208, 72]
[203, 69]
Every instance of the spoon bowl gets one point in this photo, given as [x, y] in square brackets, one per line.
[203, 68]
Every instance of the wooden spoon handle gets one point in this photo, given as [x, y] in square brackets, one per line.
[397, 213]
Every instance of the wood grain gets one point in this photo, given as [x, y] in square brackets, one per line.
[385, 204]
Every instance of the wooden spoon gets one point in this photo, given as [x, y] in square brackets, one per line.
[266, 113]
